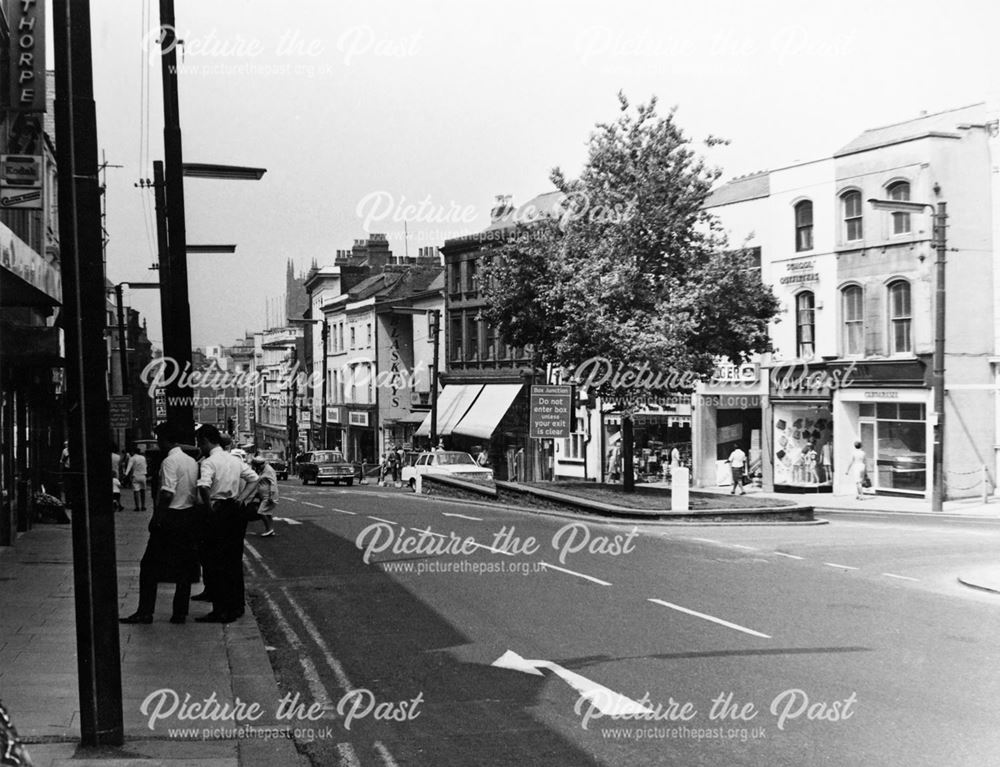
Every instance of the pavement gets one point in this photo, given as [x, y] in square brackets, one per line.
[39, 676]
[38, 666]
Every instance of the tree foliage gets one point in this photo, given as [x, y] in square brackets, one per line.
[631, 268]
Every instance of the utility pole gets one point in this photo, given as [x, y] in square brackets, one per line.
[95, 579]
[326, 375]
[941, 246]
[435, 328]
[176, 342]
[122, 348]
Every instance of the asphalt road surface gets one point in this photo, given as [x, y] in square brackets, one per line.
[433, 632]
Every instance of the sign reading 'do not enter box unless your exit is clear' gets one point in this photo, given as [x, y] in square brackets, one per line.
[551, 412]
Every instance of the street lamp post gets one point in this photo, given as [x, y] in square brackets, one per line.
[940, 234]
[326, 352]
[434, 326]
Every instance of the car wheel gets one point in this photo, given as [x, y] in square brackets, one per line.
[349, 482]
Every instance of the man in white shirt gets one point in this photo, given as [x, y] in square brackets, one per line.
[737, 463]
[136, 471]
[172, 550]
[221, 479]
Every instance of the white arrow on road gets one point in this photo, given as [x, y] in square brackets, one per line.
[286, 519]
[605, 700]
[461, 516]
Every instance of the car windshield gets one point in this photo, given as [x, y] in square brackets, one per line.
[453, 459]
[329, 456]
[270, 455]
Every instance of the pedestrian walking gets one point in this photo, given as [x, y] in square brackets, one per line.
[135, 474]
[267, 491]
[219, 486]
[172, 550]
[857, 470]
[737, 463]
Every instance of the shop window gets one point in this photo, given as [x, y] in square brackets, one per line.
[900, 221]
[867, 410]
[805, 324]
[900, 318]
[804, 226]
[854, 320]
[851, 204]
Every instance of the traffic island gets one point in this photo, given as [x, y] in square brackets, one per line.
[605, 500]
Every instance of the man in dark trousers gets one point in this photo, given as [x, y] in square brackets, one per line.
[171, 553]
[219, 485]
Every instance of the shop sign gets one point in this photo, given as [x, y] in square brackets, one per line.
[882, 394]
[333, 415]
[551, 412]
[726, 372]
[160, 400]
[19, 258]
[21, 181]
[799, 273]
[27, 55]
[357, 418]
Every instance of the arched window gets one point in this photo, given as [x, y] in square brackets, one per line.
[805, 325]
[851, 203]
[900, 318]
[900, 221]
[854, 320]
[804, 225]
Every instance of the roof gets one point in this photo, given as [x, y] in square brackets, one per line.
[941, 124]
[749, 187]
[542, 205]
[398, 282]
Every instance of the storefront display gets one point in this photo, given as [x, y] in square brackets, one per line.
[895, 434]
[803, 445]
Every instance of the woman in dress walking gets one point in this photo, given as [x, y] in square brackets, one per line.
[858, 470]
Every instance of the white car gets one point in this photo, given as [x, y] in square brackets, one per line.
[451, 462]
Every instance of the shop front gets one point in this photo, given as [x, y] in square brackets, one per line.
[728, 413]
[360, 442]
[657, 428]
[801, 418]
[886, 407]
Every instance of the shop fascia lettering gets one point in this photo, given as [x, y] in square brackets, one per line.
[800, 272]
[798, 378]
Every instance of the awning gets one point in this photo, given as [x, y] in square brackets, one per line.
[453, 403]
[488, 410]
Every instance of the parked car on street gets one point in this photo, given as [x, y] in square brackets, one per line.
[451, 462]
[279, 464]
[321, 466]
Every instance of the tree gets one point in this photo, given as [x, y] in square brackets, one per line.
[631, 274]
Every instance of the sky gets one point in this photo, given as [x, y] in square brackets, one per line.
[371, 114]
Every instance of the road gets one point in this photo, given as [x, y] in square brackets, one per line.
[845, 643]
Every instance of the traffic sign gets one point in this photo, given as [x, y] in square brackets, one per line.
[551, 412]
[121, 411]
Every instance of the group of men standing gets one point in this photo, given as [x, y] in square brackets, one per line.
[197, 519]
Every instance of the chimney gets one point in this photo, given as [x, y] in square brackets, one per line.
[502, 207]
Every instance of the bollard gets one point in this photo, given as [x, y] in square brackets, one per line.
[679, 499]
[418, 486]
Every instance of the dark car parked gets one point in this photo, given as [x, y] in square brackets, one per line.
[321, 466]
[278, 463]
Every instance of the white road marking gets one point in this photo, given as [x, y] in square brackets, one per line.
[333, 663]
[901, 577]
[741, 546]
[605, 700]
[287, 519]
[348, 757]
[461, 516]
[249, 566]
[310, 503]
[490, 548]
[379, 519]
[547, 566]
[383, 752]
[261, 561]
[845, 567]
[344, 511]
[711, 618]
[789, 556]
[316, 687]
[428, 531]
[707, 540]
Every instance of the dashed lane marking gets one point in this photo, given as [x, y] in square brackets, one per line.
[711, 618]
[315, 505]
[461, 516]
[788, 556]
[901, 577]
[379, 519]
[843, 567]
[547, 566]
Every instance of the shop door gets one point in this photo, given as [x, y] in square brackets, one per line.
[868, 445]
